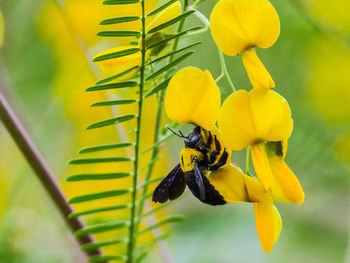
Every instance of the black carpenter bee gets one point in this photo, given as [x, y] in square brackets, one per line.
[203, 152]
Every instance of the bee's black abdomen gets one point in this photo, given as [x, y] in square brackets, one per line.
[212, 196]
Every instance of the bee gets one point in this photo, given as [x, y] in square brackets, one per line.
[203, 153]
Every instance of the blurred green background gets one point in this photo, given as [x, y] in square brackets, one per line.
[46, 76]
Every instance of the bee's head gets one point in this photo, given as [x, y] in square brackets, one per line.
[193, 138]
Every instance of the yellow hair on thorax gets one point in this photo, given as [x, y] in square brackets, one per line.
[188, 157]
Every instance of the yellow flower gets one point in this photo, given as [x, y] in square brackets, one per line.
[193, 97]
[85, 17]
[247, 118]
[240, 26]
[268, 224]
[257, 73]
[167, 14]
[235, 186]
[261, 118]
[121, 64]
[286, 186]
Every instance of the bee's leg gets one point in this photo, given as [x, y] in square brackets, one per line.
[205, 159]
[205, 147]
[210, 140]
[222, 161]
[217, 151]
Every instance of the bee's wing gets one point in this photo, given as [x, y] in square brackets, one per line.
[197, 182]
[198, 177]
[171, 187]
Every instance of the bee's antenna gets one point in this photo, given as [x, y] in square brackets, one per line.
[180, 134]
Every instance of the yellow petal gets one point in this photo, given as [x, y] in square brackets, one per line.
[250, 117]
[272, 115]
[257, 73]
[284, 148]
[117, 65]
[1, 29]
[235, 186]
[286, 182]
[193, 97]
[262, 166]
[268, 224]
[236, 121]
[167, 14]
[237, 25]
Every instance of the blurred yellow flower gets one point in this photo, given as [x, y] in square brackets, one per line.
[332, 104]
[85, 17]
[338, 17]
[118, 65]
[240, 26]
[121, 64]
[167, 14]
[329, 67]
[193, 97]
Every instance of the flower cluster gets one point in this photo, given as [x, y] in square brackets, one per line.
[259, 119]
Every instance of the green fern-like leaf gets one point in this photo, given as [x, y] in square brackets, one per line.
[120, 2]
[92, 246]
[99, 195]
[154, 72]
[117, 54]
[99, 210]
[116, 76]
[119, 33]
[119, 20]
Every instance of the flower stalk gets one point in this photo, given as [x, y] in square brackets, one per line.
[247, 160]
[42, 171]
[224, 71]
[133, 215]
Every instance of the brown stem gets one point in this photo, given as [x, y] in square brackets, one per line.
[37, 163]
